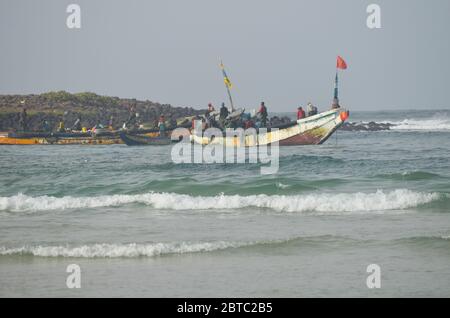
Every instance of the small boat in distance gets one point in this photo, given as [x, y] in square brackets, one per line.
[142, 140]
[59, 138]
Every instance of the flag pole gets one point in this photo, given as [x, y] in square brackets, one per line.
[336, 85]
[226, 86]
[340, 64]
[336, 89]
[231, 99]
[336, 81]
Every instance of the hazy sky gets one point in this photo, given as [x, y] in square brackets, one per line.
[283, 52]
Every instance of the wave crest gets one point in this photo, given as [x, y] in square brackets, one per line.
[131, 250]
[314, 202]
[442, 123]
[135, 250]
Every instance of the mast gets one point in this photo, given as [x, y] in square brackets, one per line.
[228, 85]
[336, 98]
[340, 64]
[231, 99]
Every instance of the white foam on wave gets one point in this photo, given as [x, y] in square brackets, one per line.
[122, 250]
[327, 203]
[434, 123]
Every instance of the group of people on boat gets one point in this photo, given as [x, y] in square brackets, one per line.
[311, 110]
[61, 126]
[76, 126]
[223, 118]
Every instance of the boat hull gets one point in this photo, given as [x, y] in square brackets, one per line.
[69, 138]
[142, 140]
[312, 130]
[60, 141]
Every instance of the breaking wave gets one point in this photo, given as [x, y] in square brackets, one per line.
[121, 250]
[136, 250]
[442, 123]
[327, 203]
[438, 122]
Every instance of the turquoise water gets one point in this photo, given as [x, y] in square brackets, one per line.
[140, 225]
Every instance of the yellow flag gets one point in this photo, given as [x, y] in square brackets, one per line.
[226, 80]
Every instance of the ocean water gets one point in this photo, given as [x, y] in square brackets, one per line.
[140, 225]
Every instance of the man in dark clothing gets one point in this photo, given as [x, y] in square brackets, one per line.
[46, 126]
[223, 115]
[23, 120]
[224, 111]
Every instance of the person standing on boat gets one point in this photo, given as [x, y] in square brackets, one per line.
[111, 123]
[263, 113]
[162, 126]
[61, 127]
[223, 114]
[132, 117]
[300, 113]
[312, 110]
[23, 120]
[210, 120]
[77, 125]
[45, 126]
[210, 108]
[207, 120]
[224, 111]
[208, 114]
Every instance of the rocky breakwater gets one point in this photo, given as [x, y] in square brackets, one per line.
[93, 109]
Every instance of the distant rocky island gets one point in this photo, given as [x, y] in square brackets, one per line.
[90, 107]
[93, 109]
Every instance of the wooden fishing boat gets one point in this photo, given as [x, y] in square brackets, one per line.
[153, 138]
[101, 137]
[62, 138]
[312, 130]
[6, 140]
[142, 140]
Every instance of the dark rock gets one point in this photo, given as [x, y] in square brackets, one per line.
[371, 126]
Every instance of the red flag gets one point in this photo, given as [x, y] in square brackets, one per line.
[341, 63]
